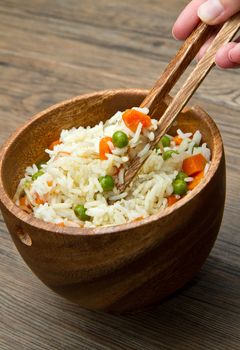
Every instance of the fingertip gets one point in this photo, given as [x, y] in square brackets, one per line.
[234, 54]
[187, 20]
[179, 31]
[175, 33]
[222, 58]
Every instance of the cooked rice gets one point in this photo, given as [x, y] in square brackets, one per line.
[71, 175]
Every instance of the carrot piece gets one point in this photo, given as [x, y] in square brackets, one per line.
[49, 183]
[172, 200]
[177, 140]
[53, 144]
[23, 201]
[197, 179]
[194, 164]
[61, 224]
[139, 218]
[38, 199]
[104, 147]
[132, 118]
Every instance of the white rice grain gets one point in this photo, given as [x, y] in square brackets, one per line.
[144, 151]
[144, 110]
[197, 136]
[121, 176]
[71, 175]
[188, 179]
[136, 136]
[119, 196]
[184, 135]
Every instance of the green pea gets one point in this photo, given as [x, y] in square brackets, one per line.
[80, 212]
[39, 165]
[165, 141]
[181, 176]
[37, 174]
[168, 154]
[120, 139]
[106, 182]
[179, 187]
[27, 184]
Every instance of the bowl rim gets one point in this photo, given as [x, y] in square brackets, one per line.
[28, 219]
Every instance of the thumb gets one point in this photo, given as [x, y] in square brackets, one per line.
[218, 11]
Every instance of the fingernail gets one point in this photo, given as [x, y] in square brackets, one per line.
[173, 34]
[234, 54]
[210, 10]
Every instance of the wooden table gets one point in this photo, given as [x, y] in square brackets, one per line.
[52, 50]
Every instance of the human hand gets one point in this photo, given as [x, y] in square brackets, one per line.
[213, 12]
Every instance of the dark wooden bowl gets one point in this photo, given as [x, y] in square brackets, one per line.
[120, 268]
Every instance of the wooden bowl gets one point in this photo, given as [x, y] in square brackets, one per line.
[119, 268]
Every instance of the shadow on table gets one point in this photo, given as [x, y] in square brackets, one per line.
[187, 320]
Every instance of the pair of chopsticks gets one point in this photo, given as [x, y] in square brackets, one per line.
[173, 72]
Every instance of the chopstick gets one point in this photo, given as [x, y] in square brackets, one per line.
[171, 75]
[177, 67]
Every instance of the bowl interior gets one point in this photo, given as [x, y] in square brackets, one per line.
[28, 144]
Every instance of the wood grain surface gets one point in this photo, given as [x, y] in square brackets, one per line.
[53, 50]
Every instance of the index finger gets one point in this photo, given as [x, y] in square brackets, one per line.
[187, 20]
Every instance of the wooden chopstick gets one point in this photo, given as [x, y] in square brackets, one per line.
[177, 66]
[169, 78]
